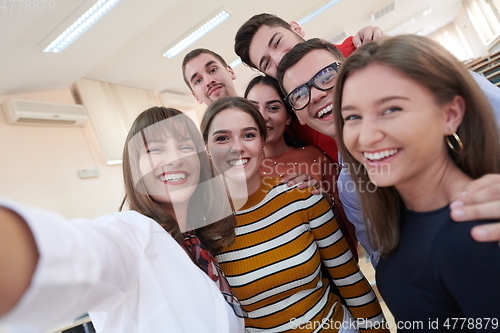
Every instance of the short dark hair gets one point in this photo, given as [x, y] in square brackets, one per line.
[299, 51]
[193, 54]
[245, 34]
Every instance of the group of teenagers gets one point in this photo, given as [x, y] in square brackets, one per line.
[252, 224]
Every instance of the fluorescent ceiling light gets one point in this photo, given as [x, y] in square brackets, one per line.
[318, 11]
[84, 22]
[410, 21]
[197, 34]
[235, 63]
[114, 162]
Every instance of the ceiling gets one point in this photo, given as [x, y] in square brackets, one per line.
[125, 47]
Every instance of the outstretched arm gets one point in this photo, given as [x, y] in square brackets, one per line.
[480, 200]
[18, 259]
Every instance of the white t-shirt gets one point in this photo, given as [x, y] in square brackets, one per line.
[123, 269]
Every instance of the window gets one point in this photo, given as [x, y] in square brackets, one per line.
[485, 18]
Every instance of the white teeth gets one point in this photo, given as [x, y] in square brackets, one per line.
[324, 111]
[239, 162]
[173, 177]
[380, 154]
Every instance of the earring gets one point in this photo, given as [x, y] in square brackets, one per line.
[263, 153]
[457, 140]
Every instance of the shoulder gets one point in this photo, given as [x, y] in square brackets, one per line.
[281, 195]
[311, 151]
[455, 245]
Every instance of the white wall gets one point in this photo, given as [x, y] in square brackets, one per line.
[39, 165]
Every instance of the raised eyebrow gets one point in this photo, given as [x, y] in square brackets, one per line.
[274, 101]
[221, 132]
[390, 98]
[378, 102]
[347, 108]
[211, 62]
[250, 128]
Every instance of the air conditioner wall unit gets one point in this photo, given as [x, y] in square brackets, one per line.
[178, 101]
[19, 112]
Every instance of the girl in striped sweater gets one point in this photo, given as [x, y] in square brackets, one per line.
[282, 236]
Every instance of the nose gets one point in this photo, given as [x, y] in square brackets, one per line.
[172, 159]
[370, 133]
[208, 79]
[264, 114]
[317, 95]
[237, 147]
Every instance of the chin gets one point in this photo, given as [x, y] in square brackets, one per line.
[381, 181]
[236, 175]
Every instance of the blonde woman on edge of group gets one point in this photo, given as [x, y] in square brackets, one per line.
[422, 131]
[147, 270]
[283, 235]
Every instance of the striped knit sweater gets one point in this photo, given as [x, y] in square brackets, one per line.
[282, 235]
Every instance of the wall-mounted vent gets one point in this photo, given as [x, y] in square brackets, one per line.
[383, 11]
[19, 112]
[338, 38]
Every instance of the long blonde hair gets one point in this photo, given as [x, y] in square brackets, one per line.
[427, 63]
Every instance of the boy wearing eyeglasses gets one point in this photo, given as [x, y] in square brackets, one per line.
[307, 75]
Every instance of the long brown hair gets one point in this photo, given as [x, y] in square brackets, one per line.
[151, 122]
[427, 63]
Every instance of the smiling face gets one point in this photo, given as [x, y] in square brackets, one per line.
[395, 129]
[235, 146]
[170, 168]
[209, 79]
[272, 108]
[270, 44]
[318, 113]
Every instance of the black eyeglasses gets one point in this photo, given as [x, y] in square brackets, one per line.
[323, 80]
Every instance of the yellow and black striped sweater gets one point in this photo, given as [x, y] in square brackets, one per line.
[282, 235]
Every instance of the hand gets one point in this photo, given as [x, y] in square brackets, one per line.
[368, 34]
[304, 181]
[480, 200]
